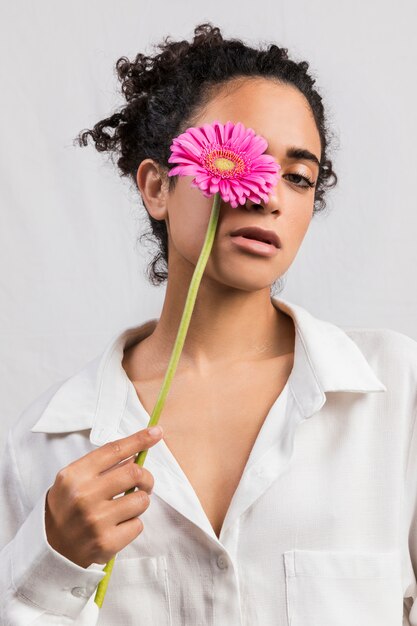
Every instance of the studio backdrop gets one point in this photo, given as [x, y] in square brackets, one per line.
[73, 271]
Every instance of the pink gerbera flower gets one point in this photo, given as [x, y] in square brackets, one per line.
[226, 159]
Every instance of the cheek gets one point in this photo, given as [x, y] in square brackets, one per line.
[297, 210]
[188, 222]
[297, 227]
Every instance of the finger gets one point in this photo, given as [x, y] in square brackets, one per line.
[109, 469]
[115, 451]
[122, 478]
[126, 507]
[120, 536]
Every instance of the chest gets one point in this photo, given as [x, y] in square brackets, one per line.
[211, 424]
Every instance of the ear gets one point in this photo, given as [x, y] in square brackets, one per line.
[153, 187]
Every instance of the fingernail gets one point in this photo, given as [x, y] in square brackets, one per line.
[154, 431]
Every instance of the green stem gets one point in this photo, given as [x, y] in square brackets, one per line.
[175, 356]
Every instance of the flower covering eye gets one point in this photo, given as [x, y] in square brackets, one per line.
[227, 159]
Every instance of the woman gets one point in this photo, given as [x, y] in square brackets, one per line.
[283, 490]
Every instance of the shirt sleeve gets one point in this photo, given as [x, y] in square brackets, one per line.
[38, 585]
[410, 499]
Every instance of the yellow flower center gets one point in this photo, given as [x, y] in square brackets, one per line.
[224, 162]
[224, 165]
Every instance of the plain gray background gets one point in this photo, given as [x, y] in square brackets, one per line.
[72, 274]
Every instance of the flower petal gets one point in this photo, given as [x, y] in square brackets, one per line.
[238, 132]
[209, 132]
[258, 145]
[219, 130]
[228, 129]
[198, 136]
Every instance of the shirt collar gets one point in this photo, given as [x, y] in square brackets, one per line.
[325, 359]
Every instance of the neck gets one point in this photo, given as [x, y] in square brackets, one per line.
[227, 326]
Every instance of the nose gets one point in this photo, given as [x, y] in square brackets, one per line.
[272, 206]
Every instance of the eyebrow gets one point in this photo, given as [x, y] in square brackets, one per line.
[302, 153]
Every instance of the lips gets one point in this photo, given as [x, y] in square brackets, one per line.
[260, 234]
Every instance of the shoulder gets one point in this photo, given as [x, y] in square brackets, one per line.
[387, 344]
[20, 429]
[393, 357]
[39, 455]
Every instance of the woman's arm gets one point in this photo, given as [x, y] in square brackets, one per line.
[410, 531]
[37, 584]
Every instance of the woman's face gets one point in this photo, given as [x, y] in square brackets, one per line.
[281, 114]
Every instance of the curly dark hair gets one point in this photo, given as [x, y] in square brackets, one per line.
[165, 93]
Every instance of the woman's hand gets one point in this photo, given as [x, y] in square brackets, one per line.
[83, 520]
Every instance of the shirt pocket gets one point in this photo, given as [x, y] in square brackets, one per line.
[324, 588]
[138, 593]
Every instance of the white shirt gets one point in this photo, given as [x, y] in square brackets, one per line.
[321, 531]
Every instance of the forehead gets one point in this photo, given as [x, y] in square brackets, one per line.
[278, 112]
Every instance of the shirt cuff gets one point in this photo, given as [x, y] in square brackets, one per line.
[43, 576]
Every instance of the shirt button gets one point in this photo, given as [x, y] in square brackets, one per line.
[222, 562]
[80, 592]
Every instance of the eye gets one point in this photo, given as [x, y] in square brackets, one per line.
[308, 181]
